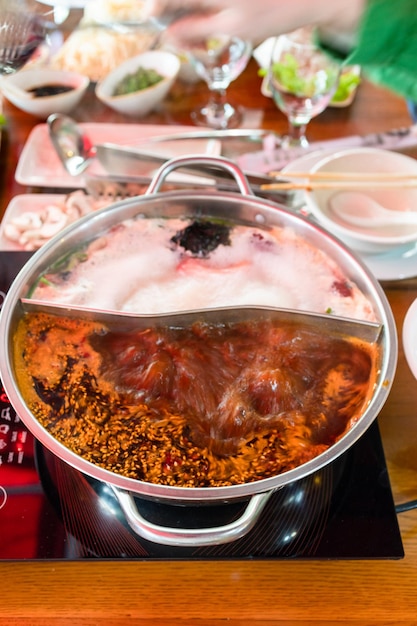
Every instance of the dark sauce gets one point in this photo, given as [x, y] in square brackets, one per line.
[50, 90]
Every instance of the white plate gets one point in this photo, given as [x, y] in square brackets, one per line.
[19, 205]
[35, 203]
[39, 165]
[69, 4]
[397, 264]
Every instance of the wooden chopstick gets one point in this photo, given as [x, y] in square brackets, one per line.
[345, 175]
[341, 184]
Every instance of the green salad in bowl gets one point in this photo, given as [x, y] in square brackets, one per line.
[290, 78]
[348, 83]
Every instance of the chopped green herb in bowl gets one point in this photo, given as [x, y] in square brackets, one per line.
[141, 79]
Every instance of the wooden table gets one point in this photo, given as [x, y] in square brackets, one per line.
[248, 592]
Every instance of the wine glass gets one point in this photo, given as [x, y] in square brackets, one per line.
[302, 79]
[21, 33]
[218, 61]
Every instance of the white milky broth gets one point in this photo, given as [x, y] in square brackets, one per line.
[137, 267]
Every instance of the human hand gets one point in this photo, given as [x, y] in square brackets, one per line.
[256, 20]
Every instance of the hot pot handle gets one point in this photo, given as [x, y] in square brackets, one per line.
[212, 163]
[191, 536]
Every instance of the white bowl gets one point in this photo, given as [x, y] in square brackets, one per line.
[141, 102]
[15, 89]
[375, 238]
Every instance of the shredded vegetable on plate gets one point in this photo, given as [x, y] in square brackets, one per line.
[96, 51]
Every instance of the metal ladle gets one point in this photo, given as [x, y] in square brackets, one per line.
[74, 148]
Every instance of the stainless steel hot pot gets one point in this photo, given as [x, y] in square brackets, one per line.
[242, 207]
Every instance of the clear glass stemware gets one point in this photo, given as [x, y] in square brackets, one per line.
[21, 33]
[219, 61]
[302, 79]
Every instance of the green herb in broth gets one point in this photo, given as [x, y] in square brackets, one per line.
[62, 265]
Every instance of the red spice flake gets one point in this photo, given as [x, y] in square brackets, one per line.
[171, 462]
[343, 288]
[260, 242]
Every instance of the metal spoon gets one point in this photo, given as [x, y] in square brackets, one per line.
[359, 209]
[125, 321]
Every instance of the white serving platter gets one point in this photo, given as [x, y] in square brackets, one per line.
[39, 165]
[21, 204]
[24, 207]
